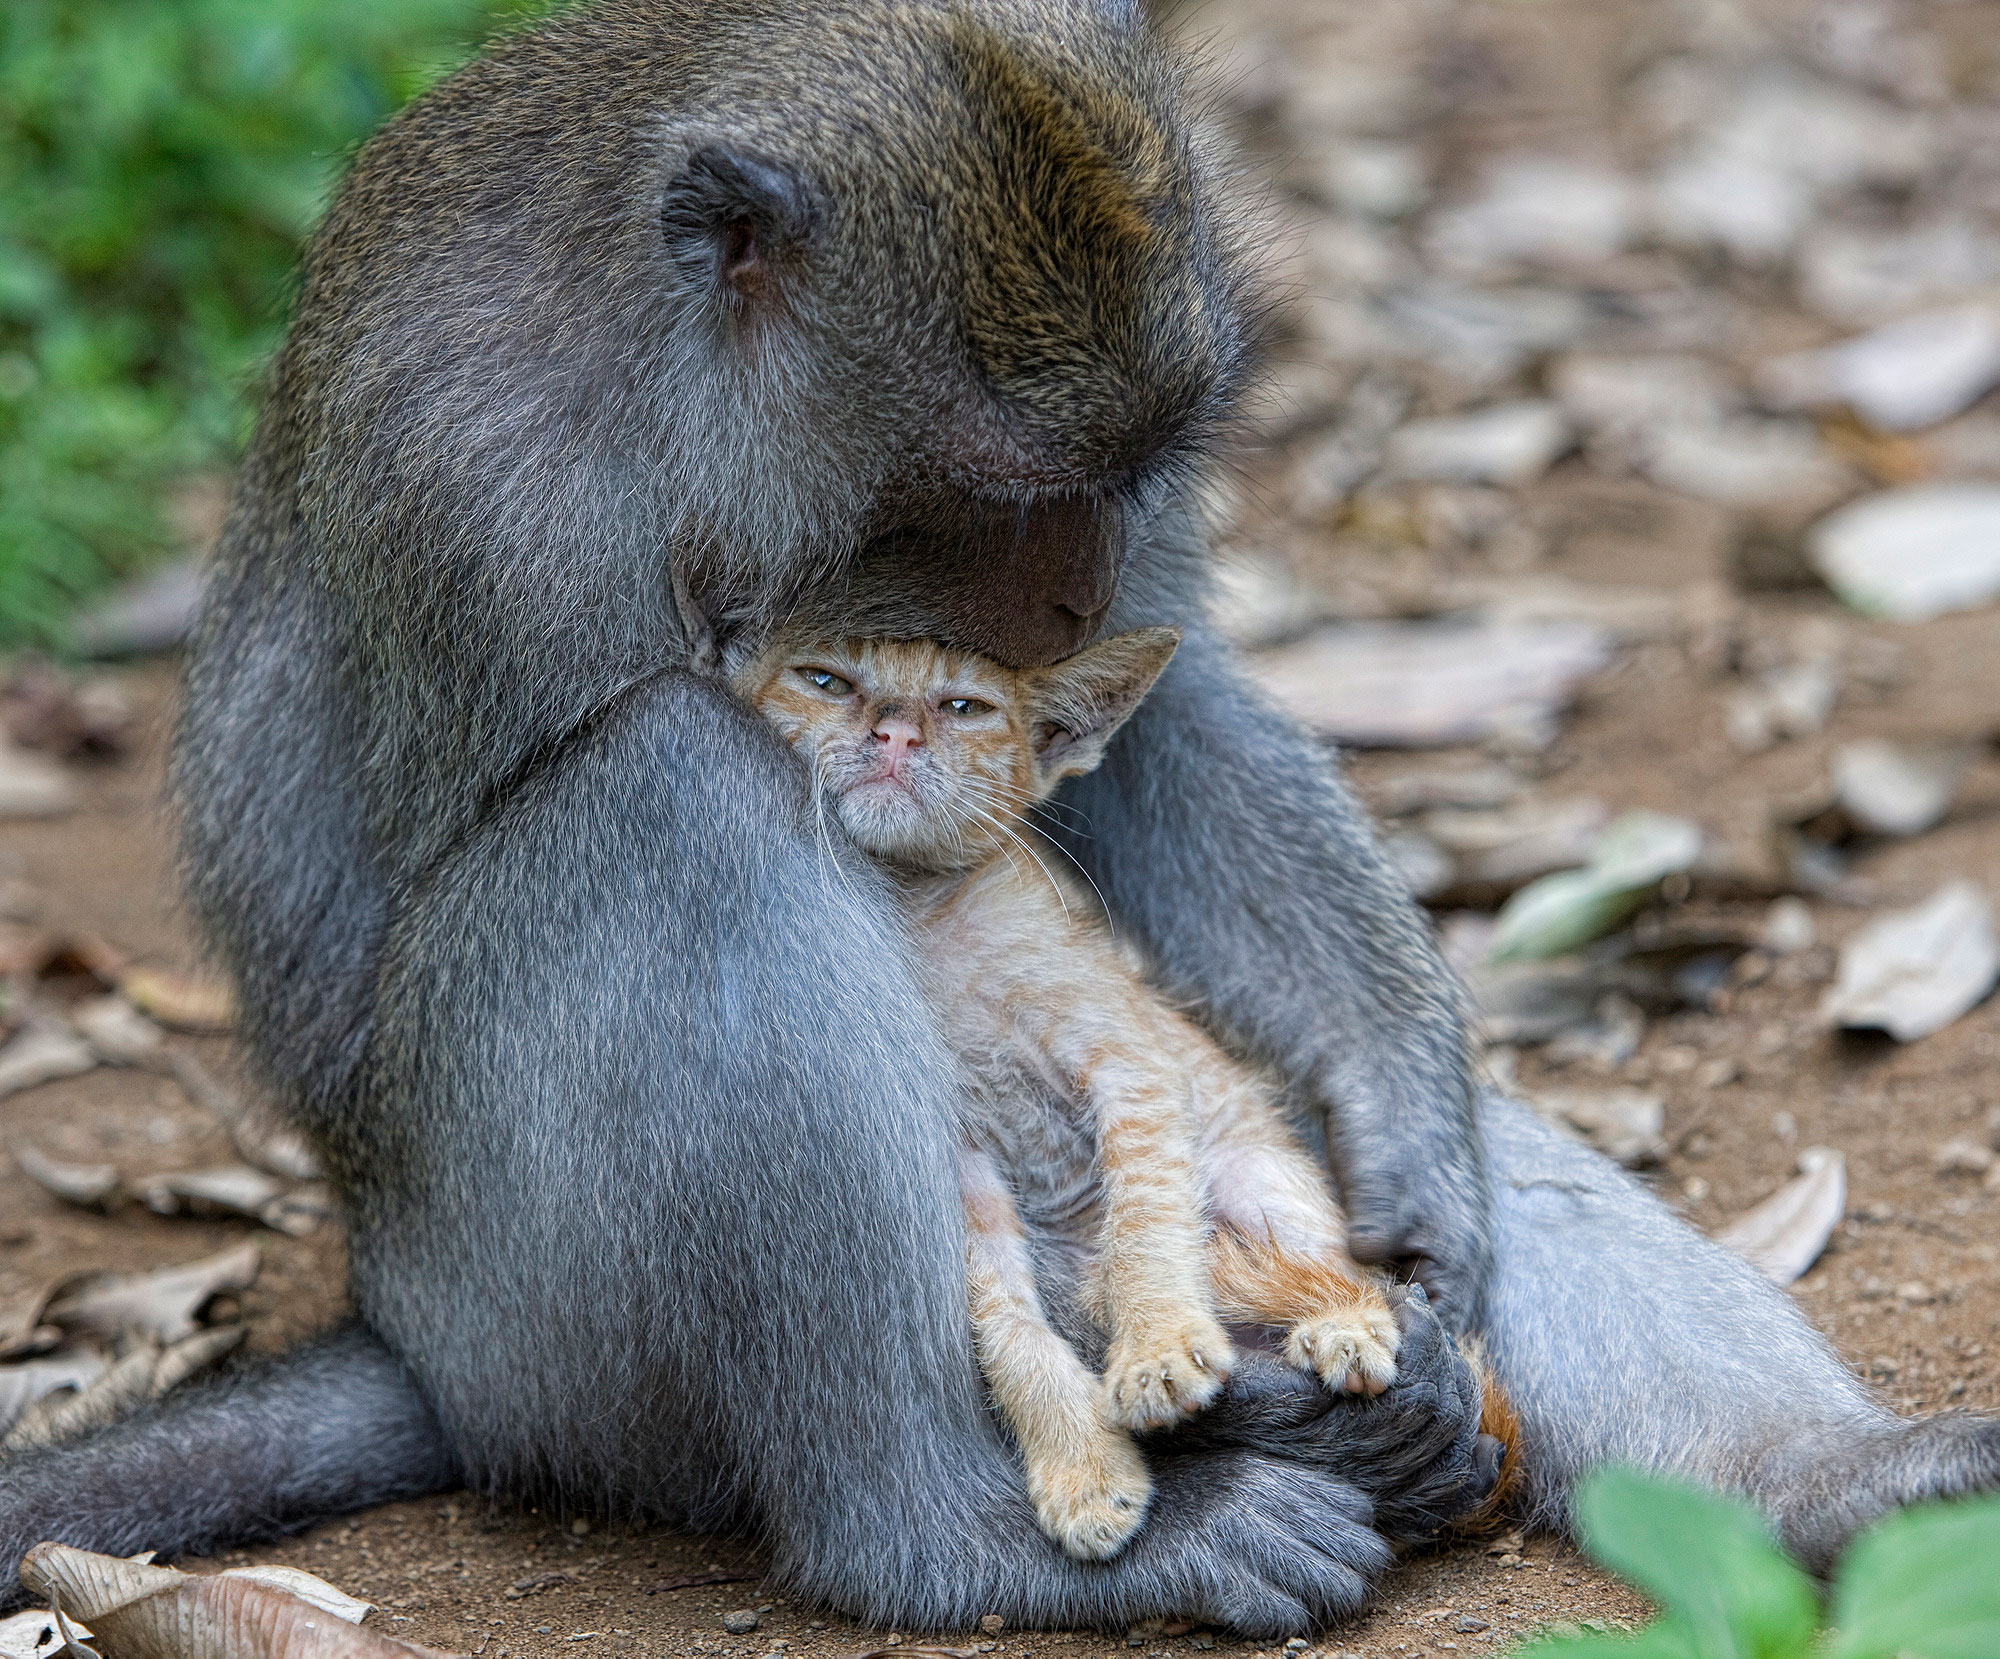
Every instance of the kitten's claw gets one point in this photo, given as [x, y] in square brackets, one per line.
[1353, 1350]
[1091, 1505]
[1154, 1378]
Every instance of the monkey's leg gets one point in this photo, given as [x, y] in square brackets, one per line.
[1085, 1476]
[272, 1446]
[1222, 836]
[678, 1227]
[1621, 1335]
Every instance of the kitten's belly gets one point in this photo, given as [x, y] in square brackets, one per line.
[1041, 1138]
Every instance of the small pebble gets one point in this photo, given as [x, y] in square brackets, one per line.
[740, 1622]
[992, 1624]
[579, 1528]
[1468, 1625]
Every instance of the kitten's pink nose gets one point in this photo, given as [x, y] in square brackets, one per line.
[897, 735]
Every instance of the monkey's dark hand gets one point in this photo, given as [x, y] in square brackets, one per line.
[1416, 1450]
[1413, 1179]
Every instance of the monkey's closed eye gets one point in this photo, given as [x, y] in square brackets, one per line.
[827, 681]
[965, 707]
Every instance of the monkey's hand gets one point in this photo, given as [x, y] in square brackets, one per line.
[1416, 1450]
[1413, 1179]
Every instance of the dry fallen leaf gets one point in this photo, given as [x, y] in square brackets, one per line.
[1784, 1235]
[25, 1328]
[1624, 1124]
[162, 1305]
[37, 1635]
[233, 1189]
[41, 1054]
[1915, 971]
[138, 1611]
[21, 1386]
[143, 1373]
[261, 1139]
[89, 1186]
[185, 1004]
[119, 1032]
[30, 786]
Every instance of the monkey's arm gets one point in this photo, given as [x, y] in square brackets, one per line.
[1221, 834]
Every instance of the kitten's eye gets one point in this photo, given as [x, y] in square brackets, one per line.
[827, 681]
[965, 707]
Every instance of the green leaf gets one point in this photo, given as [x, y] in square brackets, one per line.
[1707, 1560]
[1925, 1582]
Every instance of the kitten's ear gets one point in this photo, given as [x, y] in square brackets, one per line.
[1079, 704]
[735, 219]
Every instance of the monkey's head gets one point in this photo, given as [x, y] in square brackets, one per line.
[934, 758]
[905, 314]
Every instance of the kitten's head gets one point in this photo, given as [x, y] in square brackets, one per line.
[933, 756]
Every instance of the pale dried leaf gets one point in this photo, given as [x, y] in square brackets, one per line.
[295, 1581]
[21, 1386]
[1784, 1235]
[299, 1213]
[88, 1186]
[1914, 553]
[233, 1189]
[1915, 971]
[1895, 788]
[118, 1031]
[41, 1054]
[146, 1612]
[145, 1372]
[31, 787]
[1423, 685]
[37, 1635]
[162, 1305]
[174, 1000]
[261, 1139]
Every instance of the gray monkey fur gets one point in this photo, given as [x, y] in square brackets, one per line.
[650, 1211]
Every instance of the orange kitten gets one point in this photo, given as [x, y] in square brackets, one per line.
[1092, 1104]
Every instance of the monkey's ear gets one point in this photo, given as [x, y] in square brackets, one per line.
[1080, 703]
[736, 218]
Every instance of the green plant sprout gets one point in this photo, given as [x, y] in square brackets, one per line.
[1923, 1583]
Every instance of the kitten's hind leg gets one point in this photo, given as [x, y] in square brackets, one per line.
[1278, 1255]
[1337, 1318]
[1085, 1476]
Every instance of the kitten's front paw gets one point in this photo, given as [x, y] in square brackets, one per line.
[1091, 1504]
[1155, 1377]
[1353, 1349]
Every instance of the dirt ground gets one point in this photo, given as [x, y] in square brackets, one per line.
[1909, 1285]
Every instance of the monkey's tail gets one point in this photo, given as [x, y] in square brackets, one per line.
[1499, 1421]
[269, 1448]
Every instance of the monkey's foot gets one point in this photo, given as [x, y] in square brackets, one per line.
[1155, 1376]
[1352, 1348]
[1091, 1502]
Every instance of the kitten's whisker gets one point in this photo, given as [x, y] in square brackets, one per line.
[1110, 921]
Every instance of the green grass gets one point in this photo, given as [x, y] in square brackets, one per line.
[160, 162]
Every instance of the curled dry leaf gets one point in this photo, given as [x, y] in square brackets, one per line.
[88, 1186]
[25, 1328]
[233, 1189]
[262, 1140]
[37, 1635]
[22, 1386]
[1915, 971]
[1784, 1235]
[119, 1033]
[145, 1372]
[185, 1004]
[41, 1054]
[1625, 1124]
[161, 1305]
[143, 1612]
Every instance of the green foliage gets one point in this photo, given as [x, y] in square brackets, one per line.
[160, 161]
[1923, 1584]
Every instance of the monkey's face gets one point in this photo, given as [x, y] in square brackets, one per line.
[934, 758]
[966, 345]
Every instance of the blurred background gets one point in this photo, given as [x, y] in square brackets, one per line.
[160, 162]
[1624, 504]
